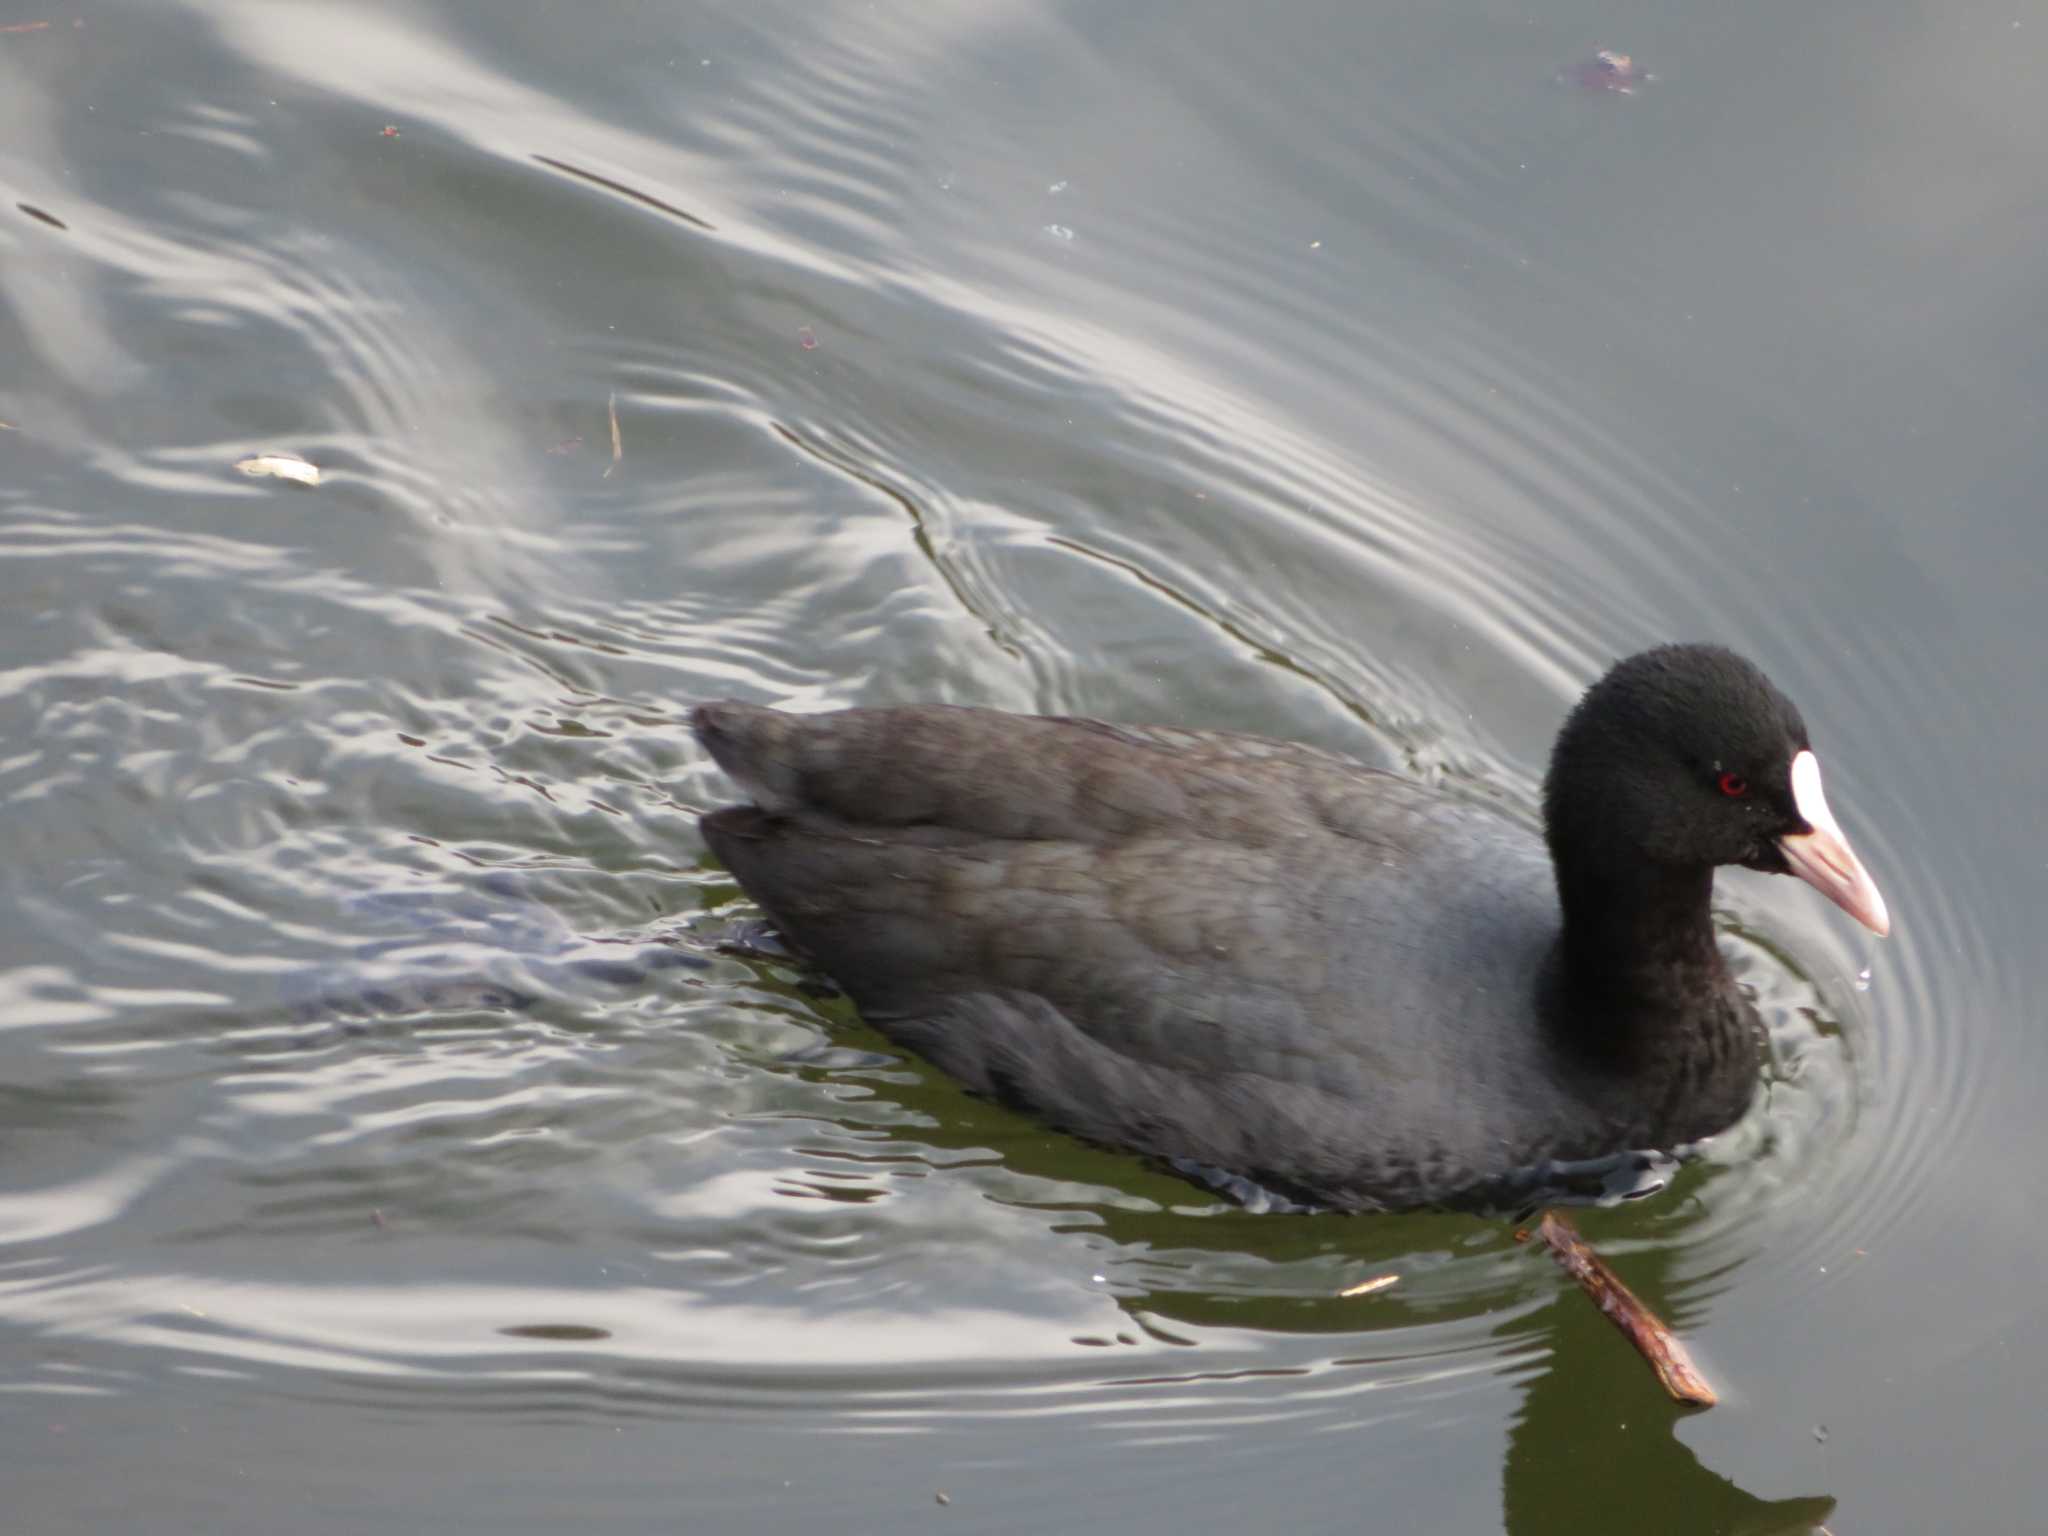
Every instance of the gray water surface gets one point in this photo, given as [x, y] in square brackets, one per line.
[392, 1137]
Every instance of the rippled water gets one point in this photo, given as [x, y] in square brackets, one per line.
[389, 1128]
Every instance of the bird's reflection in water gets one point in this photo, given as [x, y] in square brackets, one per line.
[1596, 1448]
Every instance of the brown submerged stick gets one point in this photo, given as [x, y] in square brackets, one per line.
[1653, 1339]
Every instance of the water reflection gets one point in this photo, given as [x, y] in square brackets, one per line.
[1593, 1445]
[1598, 1450]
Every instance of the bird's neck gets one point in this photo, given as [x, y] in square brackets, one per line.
[1639, 935]
[1641, 992]
[1636, 989]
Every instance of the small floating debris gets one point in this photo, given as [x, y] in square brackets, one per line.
[41, 217]
[807, 338]
[557, 1333]
[1650, 1334]
[1367, 1287]
[390, 131]
[1608, 70]
[618, 446]
[280, 466]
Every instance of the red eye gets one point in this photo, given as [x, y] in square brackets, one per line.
[1734, 785]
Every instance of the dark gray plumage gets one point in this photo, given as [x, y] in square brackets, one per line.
[1273, 961]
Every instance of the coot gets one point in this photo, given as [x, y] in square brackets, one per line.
[1256, 957]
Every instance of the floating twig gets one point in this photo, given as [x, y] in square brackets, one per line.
[1652, 1338]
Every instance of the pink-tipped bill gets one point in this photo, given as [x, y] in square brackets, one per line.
[1823, 857]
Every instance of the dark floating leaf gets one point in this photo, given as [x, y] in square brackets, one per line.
[1608, 70]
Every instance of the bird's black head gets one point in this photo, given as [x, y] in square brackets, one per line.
[1686, 757]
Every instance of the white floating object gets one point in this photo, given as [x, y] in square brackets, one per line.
[1367, 1287]
[283, 466]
